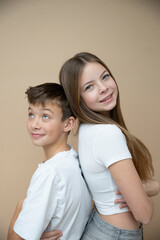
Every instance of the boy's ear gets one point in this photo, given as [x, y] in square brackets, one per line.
[69, 125]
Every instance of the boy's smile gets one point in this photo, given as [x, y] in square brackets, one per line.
[37, 135]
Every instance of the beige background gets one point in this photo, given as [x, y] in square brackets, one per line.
[37, 37]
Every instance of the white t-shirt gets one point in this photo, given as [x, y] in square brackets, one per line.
[99, 146]
[57, 199]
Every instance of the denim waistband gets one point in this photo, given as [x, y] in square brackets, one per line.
[106, 227]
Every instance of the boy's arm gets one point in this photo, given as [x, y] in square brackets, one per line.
[11, 234]
[53, 235]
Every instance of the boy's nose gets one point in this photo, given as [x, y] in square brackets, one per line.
[36, 124]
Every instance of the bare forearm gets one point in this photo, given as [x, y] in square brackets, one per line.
[11, 234]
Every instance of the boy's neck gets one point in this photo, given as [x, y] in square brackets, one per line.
[51, 151]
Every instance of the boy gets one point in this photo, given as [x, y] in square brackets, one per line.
[57, 197]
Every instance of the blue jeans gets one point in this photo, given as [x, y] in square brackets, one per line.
[98, 229]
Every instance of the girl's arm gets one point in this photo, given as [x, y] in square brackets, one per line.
[130, 185]
[53, 235]
[151, 188]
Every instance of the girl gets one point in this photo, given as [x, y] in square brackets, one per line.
[111, 158]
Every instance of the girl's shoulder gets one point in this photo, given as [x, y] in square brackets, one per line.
[113, 128]
[102, 132]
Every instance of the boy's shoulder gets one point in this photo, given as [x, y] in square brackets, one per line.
[56, 170]
[62, 159]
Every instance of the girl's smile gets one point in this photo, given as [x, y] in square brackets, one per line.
[107, 99]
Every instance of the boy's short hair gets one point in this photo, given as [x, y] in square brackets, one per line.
[49, 92]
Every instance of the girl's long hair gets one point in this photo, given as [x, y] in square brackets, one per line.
[69, 77]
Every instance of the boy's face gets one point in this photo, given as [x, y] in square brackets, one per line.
[45, 125]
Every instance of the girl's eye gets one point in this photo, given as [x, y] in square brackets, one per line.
[30, 115]
[106, 76]
[45, 117]
[88, 87]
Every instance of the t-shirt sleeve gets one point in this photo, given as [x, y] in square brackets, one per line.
[110, 145]
[38, 207]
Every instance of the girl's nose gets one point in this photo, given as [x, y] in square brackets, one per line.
[102, 87]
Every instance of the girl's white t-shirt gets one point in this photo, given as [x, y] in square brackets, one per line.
[99, 146]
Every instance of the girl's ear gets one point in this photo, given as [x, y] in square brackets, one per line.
[69, 124]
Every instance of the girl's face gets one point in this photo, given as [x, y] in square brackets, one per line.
[98, 89]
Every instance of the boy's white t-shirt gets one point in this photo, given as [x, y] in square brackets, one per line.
[99, 146]
[57, 199]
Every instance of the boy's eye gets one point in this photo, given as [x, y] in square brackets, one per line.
[45, 117]
[106, 76]
[30, 115]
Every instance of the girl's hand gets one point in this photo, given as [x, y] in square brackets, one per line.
[120, 200]
[151, 187]
[53, 235]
